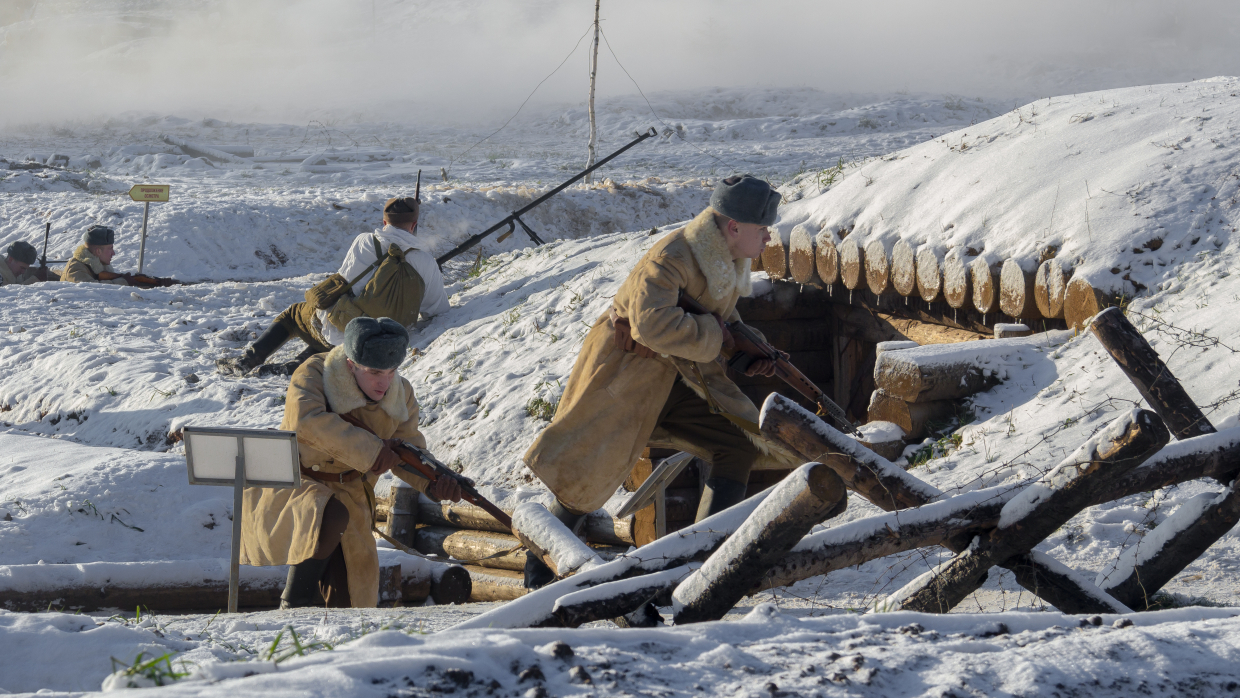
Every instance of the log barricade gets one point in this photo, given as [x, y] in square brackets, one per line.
[1049, 285]
[852, 263]
[985, 283]
[877, 268]
[826, 259]
[903, 269]
[802, 264]
[1016, 291]
[957, 281]
[775, 257]
[929, 274]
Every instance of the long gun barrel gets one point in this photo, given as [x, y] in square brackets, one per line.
[750, 347]
[515, 219]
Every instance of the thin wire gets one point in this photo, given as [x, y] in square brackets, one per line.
[652, 111]
[527, 99]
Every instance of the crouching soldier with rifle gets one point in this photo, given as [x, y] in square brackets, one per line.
[647, 373]
[352, 413]
[384, 274]
[92, 263]
[16, 267]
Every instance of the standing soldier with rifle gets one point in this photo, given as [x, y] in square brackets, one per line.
[16, 267]
[384, 274]
[352, 412]
[647, 372]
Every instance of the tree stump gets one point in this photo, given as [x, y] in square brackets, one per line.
[1049, 285]
[852, 263]
[799, 502]
[801, 259]
[1082, 302]
[957, 282]
[826, 259]
[912, 377]
[929, 277]
[775, 257]
[877, 268]
[903, 269]
[985, 286]
[1016, 292]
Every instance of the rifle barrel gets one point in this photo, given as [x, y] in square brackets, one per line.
[517, 214]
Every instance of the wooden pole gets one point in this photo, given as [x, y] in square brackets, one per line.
[798, 503]
[1037, 511]
[591, 147]
[234, 563]
[1153, 379]
[146, 212]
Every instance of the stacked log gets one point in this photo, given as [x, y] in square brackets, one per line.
[985, 285]
[801, 259]
[1049, 285]
[826, 259]
[903, 269]
[929, 275]
[957, 282]
[852, 263]
[877, 267]
[1017, 292]
[775, 258]
[915, 388]
[1082, 301]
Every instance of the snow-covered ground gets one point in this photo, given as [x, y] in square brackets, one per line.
[95, 379]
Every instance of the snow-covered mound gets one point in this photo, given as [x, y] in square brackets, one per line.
[1124, 185]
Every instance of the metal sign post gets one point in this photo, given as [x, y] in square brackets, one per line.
[146, 193]
[241, 458]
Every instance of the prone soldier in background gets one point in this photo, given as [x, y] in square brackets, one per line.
[92, 260]
[398, 279]
[16, 267]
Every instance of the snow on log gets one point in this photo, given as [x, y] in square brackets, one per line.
[775, 257]
[863, 471]
[985, 285]
[1049, 285]
[903, 269]
[877, 267]
[957, 284]
[1011, 330]
[912, 417]
[1153, 379]
[1037, 511]
[689, 544]
[1016, 291]
[852, 263]
[809, 495]
[548, 538]
[1081, 301]
[618, 598]
[600, 527]
[801, 262]
[929, 277]
[952, 371]
[1164, 552]
[827, 258]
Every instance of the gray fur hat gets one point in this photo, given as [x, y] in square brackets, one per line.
[23, 252]
[746, 199]
[378, 344]
[99, 235]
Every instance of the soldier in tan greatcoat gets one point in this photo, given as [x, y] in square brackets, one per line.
[323, 528]
[638, 380]
[93, 256]
[15, 269]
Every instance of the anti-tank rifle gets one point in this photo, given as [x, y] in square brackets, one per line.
[514, 220]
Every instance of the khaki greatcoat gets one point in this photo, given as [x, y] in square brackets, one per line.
[85, 267]
[281, 526]
[610, 407]
[7, 277]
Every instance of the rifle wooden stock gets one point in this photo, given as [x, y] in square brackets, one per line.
[420, 461]
[139, 279]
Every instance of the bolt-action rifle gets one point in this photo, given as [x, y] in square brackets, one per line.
[42, 271]
[749, 347]
[420, 462]
[140, 280]
[514, 220]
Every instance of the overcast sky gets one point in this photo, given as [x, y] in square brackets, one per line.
[448, 59]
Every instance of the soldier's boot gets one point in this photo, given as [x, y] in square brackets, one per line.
[255, 354]
[302, 588]
[289, 367]
[537, 574]
[719, 494]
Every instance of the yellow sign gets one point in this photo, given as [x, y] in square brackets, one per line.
[149, 192]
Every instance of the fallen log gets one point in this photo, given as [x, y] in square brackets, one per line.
[801, 260]
[1049, 285]
[957, 282]
[450, 584]
[600, 527]
[808, 496]
[877, 267]
[826, 259]
[1037, 511]
[914, 418]
[1138, 360]
[1147, 566]
[929, 277]
[618, 598]
[690, 544]
[484, 548]
[903, 269]
[1016, 291]
[551, 541]
[852, 263]
[490, 584]
[985, 285]
[775, 258]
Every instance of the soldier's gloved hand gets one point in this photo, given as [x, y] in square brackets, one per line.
[445, 488]
[385, 461]
[764, 367]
